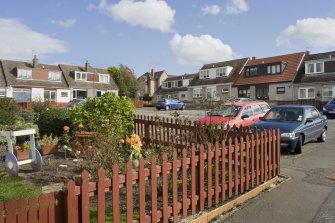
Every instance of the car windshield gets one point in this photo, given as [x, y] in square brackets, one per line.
[228, 110]
[332, 101]
[284, 114]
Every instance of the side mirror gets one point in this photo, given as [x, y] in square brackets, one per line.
[244, 116]
[309, 120]
[261, 118]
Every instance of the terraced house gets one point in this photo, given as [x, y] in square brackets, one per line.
[269, 78]
[149, 82]
[176, 87]
[59, 84]
[215, 80]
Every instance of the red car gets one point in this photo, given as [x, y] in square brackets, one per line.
[236, 113]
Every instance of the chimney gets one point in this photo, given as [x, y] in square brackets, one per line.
[87, 66]
[152, 73]
[253, 58]
[35, 62]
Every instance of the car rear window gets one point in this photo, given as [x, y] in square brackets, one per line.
[257, 109]
[265, 107]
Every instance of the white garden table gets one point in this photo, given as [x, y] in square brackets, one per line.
[11, 162]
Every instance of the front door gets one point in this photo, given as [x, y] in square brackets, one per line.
[262, 92]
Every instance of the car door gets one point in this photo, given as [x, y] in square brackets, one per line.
[258, 112]
[308, 127]
[248, 120]
[318, 123]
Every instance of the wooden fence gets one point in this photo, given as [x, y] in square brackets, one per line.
[180, 133]
[190, 182]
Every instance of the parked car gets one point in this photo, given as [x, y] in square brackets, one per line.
[236, 113]
[329, 109]
[238, 99]
[298, 125]
[73, 103]
[170, 103]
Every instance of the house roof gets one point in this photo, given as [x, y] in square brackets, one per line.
[293, 62]
[323, 77]
[180, 77]
[157, 75]
[170, 90]
[69, 70]
[10, 69]
[236, 64]
[2, 77]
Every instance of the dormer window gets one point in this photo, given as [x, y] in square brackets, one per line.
[223, 71]
[54, 76]
[104, 78]
[24, 73]
[80, 76]
[314, 68]
[204, 74]
[273, 69]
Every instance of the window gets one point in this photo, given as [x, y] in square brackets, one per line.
[257, 109]
[306, 93]
[222, 71]
[2, 93]
[265, 107]
[183, 95]
[280, 90]
[313, 68]
[225, 90]
[273, 69]
[54, 76]
[262, 92]
[167, 96]
[180, 83]
[79, 94]
[165, 85]
[172, 83]
[197, 93]
[211, 92]
[22, 95]
[81, 76]
[104, 78]
[99, 93]
[204, 74]
[64, 94]
[327, 93]
[50, 95]
[24, 73]
[247, 111]
[244, 92]
[252, 71]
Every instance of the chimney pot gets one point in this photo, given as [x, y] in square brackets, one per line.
[253, 58]
[87, 65]
[152, 73]
[35, 62]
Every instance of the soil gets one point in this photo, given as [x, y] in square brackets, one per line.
[56, 171]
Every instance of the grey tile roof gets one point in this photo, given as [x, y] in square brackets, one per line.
[323, 77]
[236, 64]
[157, 75]
[181, 77]
[9, 68]
[2, 77]
[69, 70]
[170, 90]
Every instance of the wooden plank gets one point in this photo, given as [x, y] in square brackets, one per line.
[257, 151]
[154, 204]
[22, 215]
[223, 171]
[262, 157]
[242, 156]
[10, 207]
[270, 153]
[184, 184]
[32, 214]
[175, 186]
[193, 179]
[2, 220]
[101, 196]
[253, 149]
[43, 208]
[51, 208]
[230, 168]
[266, 166]
[142, 191]
[202, 178]
[129, 194]
[278, 151]
[165, 189]
[274, 164]
[209, 175]
[116, 193]
[236, 163]
[207, 217]
[216, 177]
[85, 197]
[247, 169]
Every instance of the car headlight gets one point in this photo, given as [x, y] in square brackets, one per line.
[288, 135]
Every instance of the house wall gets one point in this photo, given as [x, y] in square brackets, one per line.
[37, 94]
[287, 96]
[63, 95]
[318, 90]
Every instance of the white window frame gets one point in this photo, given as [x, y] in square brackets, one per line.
[102, 92]
[306, 91]
[2, 93]
[104, 78]
[197, 92]
[24, 73]
[54, 76]
[314, 67]
[211, 92]
[25, 90]
[50, 92]
[222, 71]
[204, 74]
[82, 76]
[172, 84]
[327, 98]
[74, 91]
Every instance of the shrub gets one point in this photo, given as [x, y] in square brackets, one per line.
[27, 115]
[39, 106]
[49, 140]
[52, 120]
[6, 118]
[9, 105]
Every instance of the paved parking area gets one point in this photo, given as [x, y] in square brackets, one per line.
[308, 195]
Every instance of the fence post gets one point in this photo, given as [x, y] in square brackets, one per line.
[71, 204]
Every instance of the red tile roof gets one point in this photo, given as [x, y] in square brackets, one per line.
[293, 63]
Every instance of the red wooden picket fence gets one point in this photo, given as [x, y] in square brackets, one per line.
[181, 134]
[190, 182]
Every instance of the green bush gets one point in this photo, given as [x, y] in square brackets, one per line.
[52, 120]
[39, 106]
[9, 105]
[27, 115]
[6, 118]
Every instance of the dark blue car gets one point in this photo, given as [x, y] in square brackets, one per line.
[297, 124]
[73, 103]
[170, 103]
[329, 109]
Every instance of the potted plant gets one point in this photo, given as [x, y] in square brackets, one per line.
[49, 144]
[22, 152]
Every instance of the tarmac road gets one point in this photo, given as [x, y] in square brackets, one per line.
[307, 196]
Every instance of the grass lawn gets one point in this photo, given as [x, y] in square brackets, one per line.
[109, 216]
[15, 187]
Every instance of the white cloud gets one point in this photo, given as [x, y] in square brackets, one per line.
[315, 32]
[236, 6]
[152, 14]
[18, 41]
[65, 23]
[212, 9]
[198, 50]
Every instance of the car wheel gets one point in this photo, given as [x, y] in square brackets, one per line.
[167, 107]
[183, 107]
[323, 136]
[158, 109]
[298, 148]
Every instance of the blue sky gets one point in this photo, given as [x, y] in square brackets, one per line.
[178, 36]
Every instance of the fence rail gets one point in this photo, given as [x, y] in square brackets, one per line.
[190, 182]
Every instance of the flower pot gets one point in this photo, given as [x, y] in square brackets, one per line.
[48, 149]
[21, 154]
